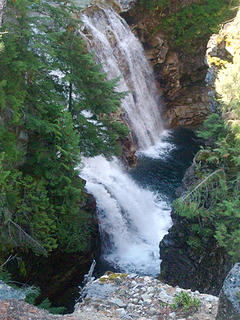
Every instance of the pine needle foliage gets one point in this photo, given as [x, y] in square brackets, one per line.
[48, 83]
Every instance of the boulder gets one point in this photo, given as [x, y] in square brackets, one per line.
[229, 303]
[7, 292]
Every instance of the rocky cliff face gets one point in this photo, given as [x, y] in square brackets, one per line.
[229, 307]
[183, 266]
[180, 75]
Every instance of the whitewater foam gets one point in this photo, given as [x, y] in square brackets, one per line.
[134, 219]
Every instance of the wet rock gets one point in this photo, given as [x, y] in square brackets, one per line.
[128, 154]
[229, 302]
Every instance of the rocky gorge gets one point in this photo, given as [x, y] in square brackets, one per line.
[180, 79]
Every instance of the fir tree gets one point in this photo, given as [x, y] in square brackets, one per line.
[48, 83]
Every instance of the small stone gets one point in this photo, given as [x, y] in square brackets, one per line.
[120, 312]
[147, 279]
[118, 302]
[150, 289]
[145, 296]
[147, 301]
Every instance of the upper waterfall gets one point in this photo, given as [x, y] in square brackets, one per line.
[122, 55]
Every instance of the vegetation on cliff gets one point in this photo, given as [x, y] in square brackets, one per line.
[187, 25]
[211, 208]
[55, 102]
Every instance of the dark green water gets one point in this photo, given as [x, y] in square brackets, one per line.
[164, 174]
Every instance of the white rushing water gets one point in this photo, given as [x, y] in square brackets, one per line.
[122, 55]
[132, 220]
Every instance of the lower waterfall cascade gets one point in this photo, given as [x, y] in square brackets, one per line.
[132, 219]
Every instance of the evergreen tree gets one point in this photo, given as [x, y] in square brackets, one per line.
[48, 82]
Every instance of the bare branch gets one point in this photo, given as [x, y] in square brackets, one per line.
[28, 238]
[8, 260]
[203, 181]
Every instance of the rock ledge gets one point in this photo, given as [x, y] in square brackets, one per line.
[121, 296]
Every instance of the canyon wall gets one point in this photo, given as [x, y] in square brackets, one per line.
[181, 264]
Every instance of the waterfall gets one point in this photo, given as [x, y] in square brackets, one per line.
[132, 220]
[122, 55]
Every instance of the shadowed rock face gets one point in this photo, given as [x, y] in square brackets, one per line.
[229, 303]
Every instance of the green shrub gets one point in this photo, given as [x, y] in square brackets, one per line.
[34, 293]
[184, 301]
[186, 26]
